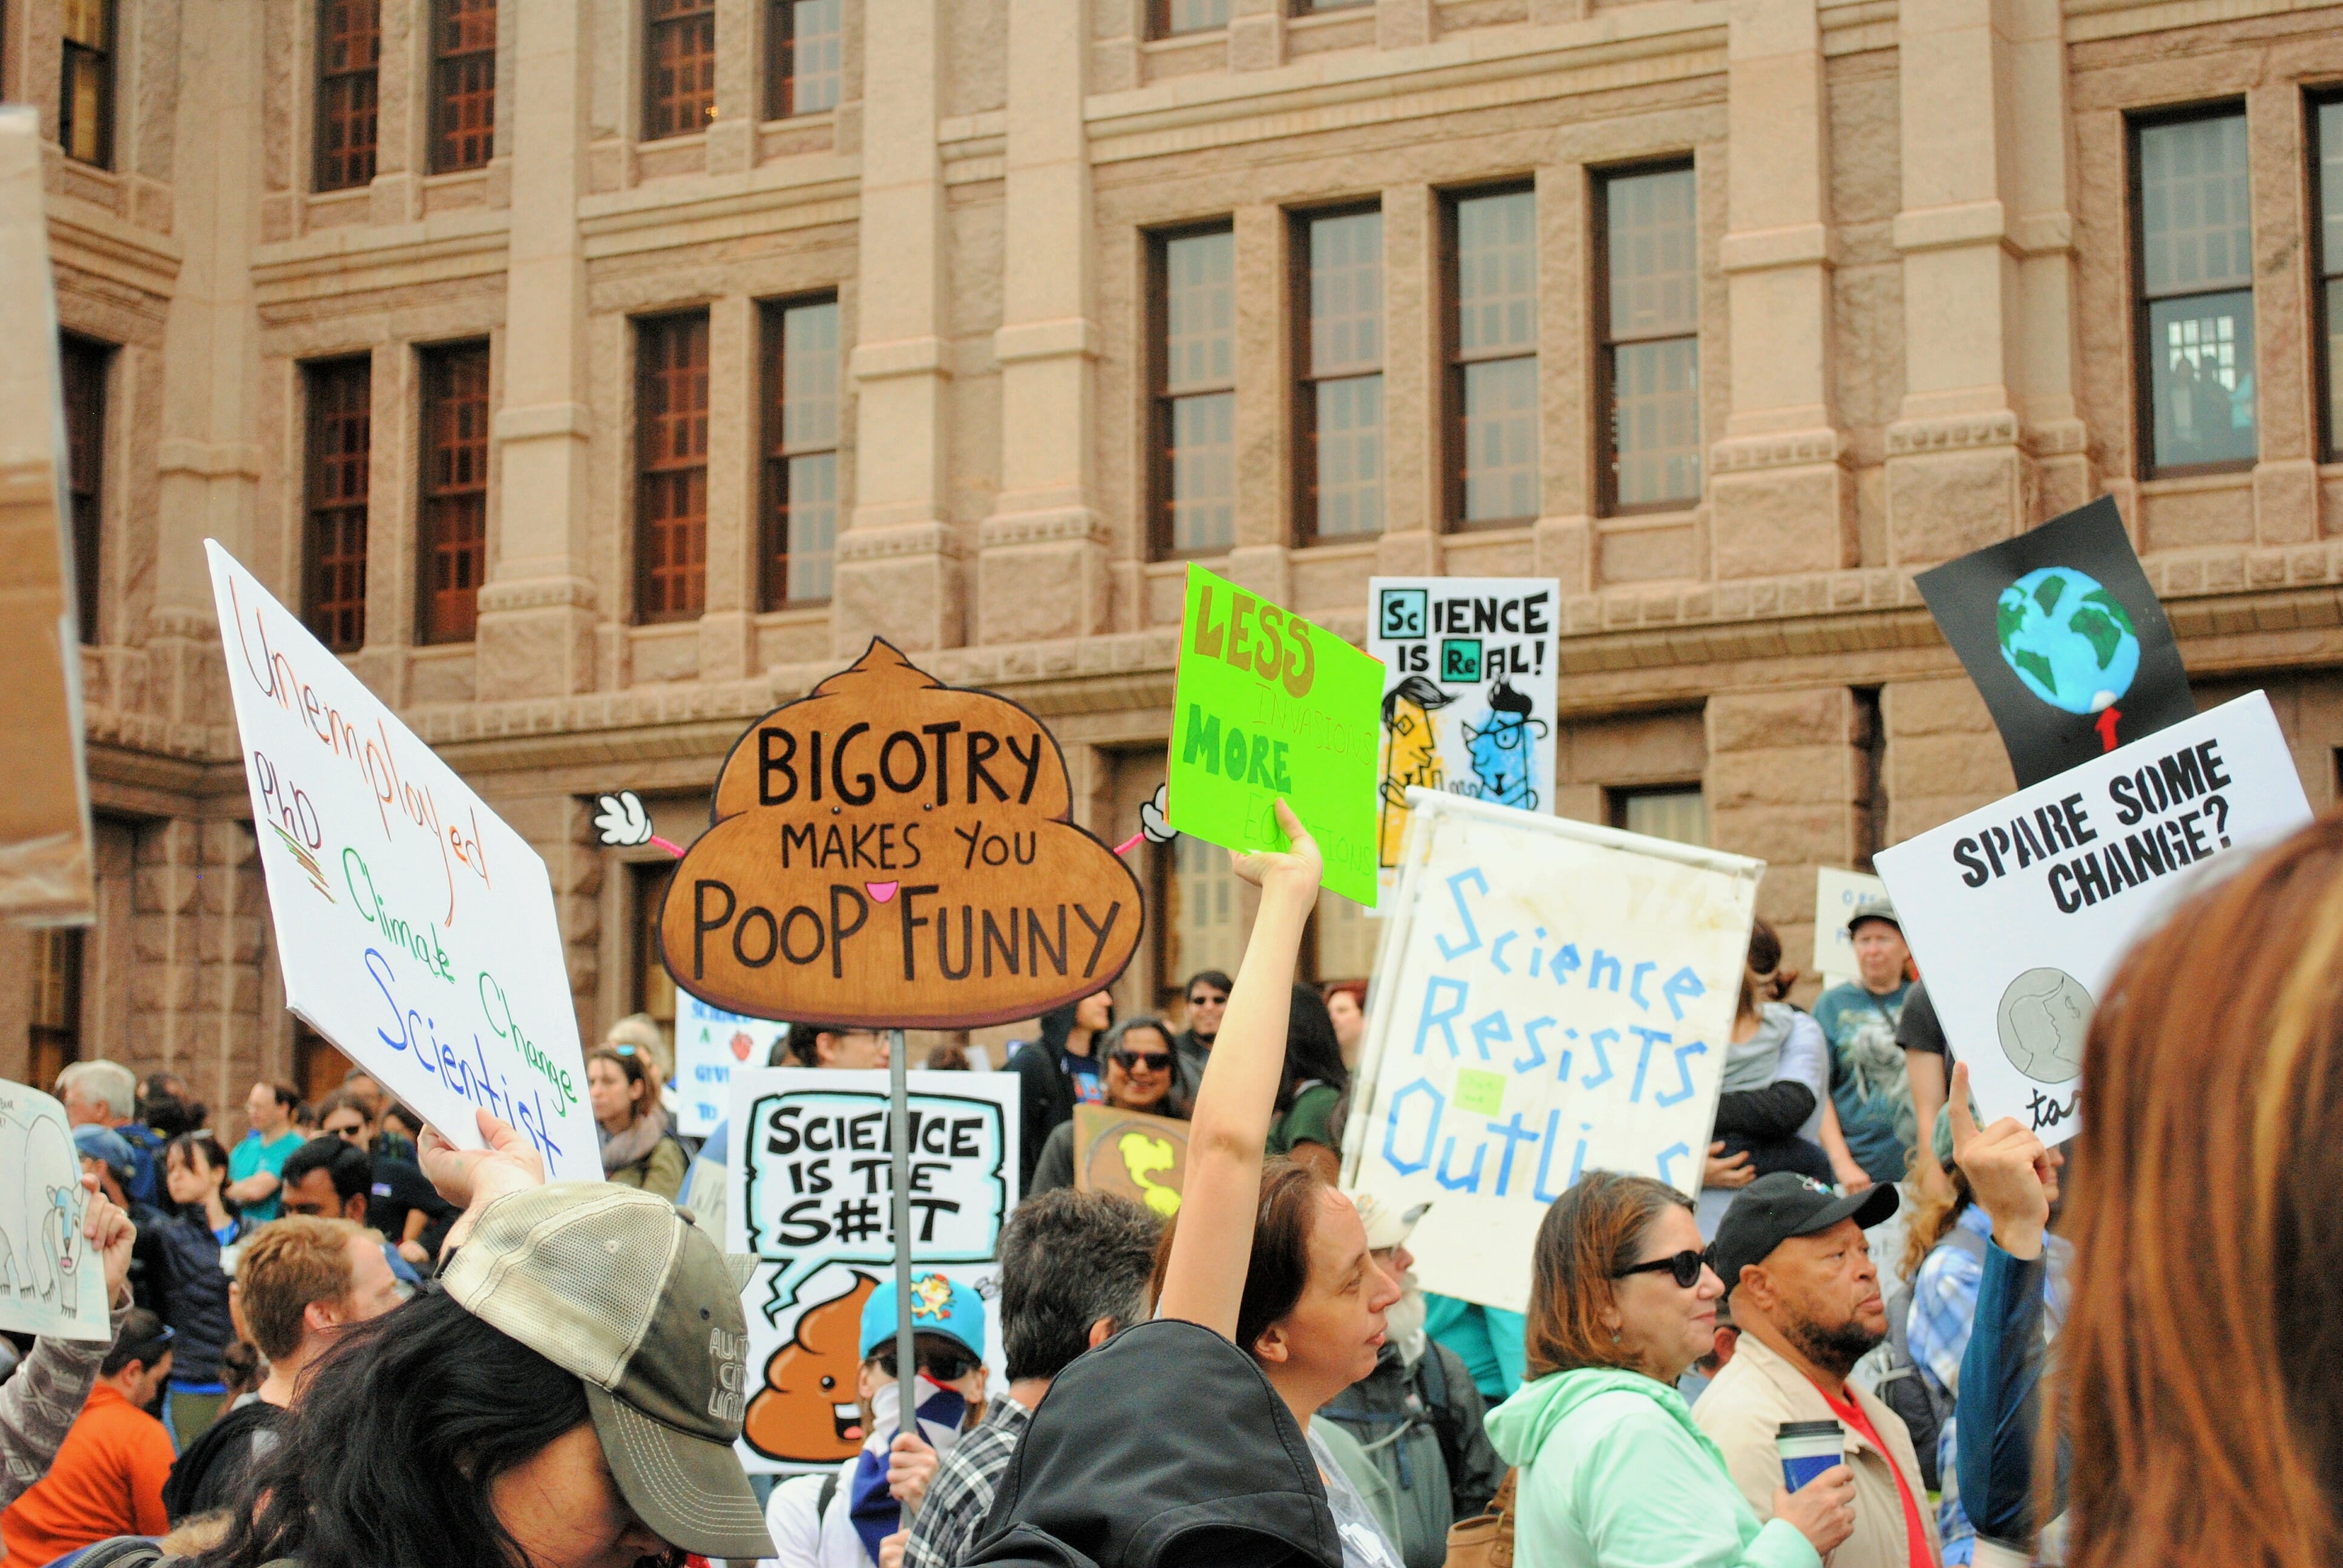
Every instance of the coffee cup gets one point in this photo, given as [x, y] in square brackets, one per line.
[1807, 1449]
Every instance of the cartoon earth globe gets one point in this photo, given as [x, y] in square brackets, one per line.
[2069, 639]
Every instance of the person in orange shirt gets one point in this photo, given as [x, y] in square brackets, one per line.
[107, 1478]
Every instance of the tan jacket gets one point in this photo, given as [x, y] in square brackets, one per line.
[1755, 1394]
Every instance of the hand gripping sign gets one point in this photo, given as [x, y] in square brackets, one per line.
[892, 852]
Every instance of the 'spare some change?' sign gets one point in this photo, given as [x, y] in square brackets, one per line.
[2019, 913]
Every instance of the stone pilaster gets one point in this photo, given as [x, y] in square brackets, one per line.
[727, 632]
[900, 561]
[1042, 573]
[1781, 493]
[1413, 377]
[402, 113]
[537, 607]
[2042, 237]
[1789, 780]
[1262, 558]
[1943, 756]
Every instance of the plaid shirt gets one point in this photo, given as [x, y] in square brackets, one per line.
[37, 1406]
[961, 1496]
[1943, 1311]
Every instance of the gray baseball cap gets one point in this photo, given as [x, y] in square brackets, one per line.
[619, 1287]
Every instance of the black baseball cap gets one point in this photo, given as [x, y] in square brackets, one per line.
[1773, 1209]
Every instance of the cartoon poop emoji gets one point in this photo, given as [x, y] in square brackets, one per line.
[807, 1410]
[890, 851]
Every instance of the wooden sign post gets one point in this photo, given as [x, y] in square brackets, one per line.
[890, 852]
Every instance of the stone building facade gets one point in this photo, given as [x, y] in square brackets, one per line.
[601, 374]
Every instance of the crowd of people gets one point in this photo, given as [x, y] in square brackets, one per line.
[343, 1340]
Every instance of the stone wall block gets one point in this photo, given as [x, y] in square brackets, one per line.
[1784, 775]
[1951, 706]
[1777, 521]
[1767, 720]
[1943, 505]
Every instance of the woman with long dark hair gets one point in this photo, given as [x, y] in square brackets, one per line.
[187, 1245]
[1141, 1074]
[1058, 1072]
[638, 1148]
[567, 1397]
[1310, 1088]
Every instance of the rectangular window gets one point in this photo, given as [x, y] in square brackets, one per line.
[349, 50]
[1205, 924]
[1168, 19]
[341, 427]
[672, 468]
[653, 988]
[680, 67]
[1493, 380]
[1675, 811]
[455, 532]
[463, 83]
[57, 1002]
[800, 479]
[85, 91]
[806, 45]
[1339, 405]
[1193, 298]
[2329, 124]
[85, 363]
[2193, 238]
[1648, 323]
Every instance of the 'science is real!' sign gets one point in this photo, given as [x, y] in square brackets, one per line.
[890, 851]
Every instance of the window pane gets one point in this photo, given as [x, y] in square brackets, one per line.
[2330, 188]
[1192, 15]
[679, 56]
[1497, 274]
[2192, 194]
[2202, 367]
[455, 490]
[85, 363]
[1199, 311]
[1349, 433]
[1655, 422]
[1653, 255]
[817, 39]
[1346, 293]
[1681, 815]
[2335, 365]
[809, 376]
[349, 45]
[1205, 908]
[1203, 472]
[340, 434]
[1500, 439]
[671, 526]
[812, 525]
[464, 83]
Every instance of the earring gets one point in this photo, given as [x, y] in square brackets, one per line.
[1614, 1336]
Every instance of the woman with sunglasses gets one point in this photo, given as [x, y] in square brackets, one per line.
[1614, 1472]
[1141, 1075]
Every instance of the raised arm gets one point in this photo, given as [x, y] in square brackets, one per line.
[1212, 1247]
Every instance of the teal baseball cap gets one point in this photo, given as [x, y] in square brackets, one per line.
[938, 1306]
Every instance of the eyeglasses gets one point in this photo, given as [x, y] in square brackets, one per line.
[1684, 1268]
[1152, 1060]
[1207, 998]
[948, 1366]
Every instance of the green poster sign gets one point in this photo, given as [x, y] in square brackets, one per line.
[1267, 704]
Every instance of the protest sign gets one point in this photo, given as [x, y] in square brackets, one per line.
[710, 1043]
[2065, 638]
[890, 851]
[45, 824]
[1552, 997]
[1130, 1154]
[51, 1283]
[1266, 706]
[809, 1194]
[1837, 894]
[1468, 694]
[2019, 913]
[416, 928]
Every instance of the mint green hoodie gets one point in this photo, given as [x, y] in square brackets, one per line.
[1615, 1475]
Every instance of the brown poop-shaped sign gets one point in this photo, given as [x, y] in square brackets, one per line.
[890, 851]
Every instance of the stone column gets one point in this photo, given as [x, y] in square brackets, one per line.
[1256, 34]
[740, 88]
[1043, 569]
[2288, 409]
[900, 560]
[1781, 494]
[2043, 237]
[537, 607]
[402, 113]
[1789, 780]
[1262, 558]
[1413, 377]
[207, 458]
[1958, 476]
[727, 627]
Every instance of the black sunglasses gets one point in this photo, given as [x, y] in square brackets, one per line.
[947, 1366]
[1152, 1060]
[1684, 1268]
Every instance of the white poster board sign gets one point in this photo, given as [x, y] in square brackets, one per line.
[811, 1198]
[710, 1043]
[1552, 997]
[51, 1283]
[1837, 894]
[416, 928]
[2019, 913]
[1468, 694]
